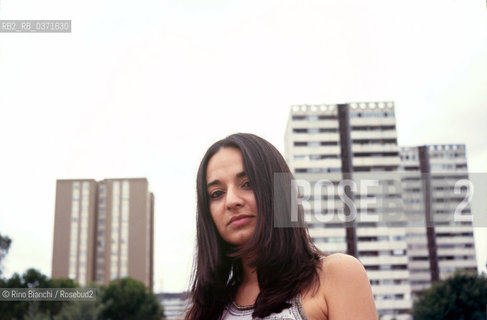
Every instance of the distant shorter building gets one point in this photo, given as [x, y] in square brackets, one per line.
[103, 230]
[174, 304]
[440, 233]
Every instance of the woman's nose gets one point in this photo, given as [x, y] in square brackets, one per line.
[234, 199]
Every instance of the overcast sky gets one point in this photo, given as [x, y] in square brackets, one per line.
[142, 88]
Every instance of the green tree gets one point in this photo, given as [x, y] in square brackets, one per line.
[128, 298]
[460, 297]
[5, 243]
[32, 278]
[80, 310]
[21, 309]
[52, 308]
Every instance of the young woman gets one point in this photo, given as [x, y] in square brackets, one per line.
[246, 266]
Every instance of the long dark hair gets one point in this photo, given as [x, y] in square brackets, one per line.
[284, 257]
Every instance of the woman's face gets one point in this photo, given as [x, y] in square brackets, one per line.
[232, 201]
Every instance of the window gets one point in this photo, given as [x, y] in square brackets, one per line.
[399, 267]
[398, 252]
[327, 117]
[398, 238]
[328, 143]
[322, 130]
[419, 258]
[314, 144]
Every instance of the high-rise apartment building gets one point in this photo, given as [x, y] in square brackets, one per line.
[103, 230]
[417, 226]
[350, 151]
[435, 194]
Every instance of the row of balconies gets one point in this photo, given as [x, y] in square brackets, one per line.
[383, 260]
[418, 252]
[332, 247]
[388, 274]
[326, 136]
[456, 252]
[385, 245]
[457, 264]
[389, 134]
[391, 289]
[419, 264]
[420, 276]
[380, 231]
[376, 161]
[453, 230]
[372, 121]
[455, 240]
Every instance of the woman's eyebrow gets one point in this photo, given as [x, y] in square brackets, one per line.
[215, 182]
[241, 174]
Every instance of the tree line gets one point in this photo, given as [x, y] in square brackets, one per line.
[124, 298]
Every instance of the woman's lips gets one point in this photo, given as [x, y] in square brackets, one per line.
[239, 220]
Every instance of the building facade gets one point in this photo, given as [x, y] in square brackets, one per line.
[327, 145]
[175, 304]
[103, 230]
[411, 223]
[435, 194]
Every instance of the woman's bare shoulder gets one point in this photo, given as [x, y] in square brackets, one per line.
[340, 263]
[346, 288]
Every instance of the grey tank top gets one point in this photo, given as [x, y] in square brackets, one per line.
[236, 312]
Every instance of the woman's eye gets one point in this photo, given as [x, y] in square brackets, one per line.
[215, 194]
[246, 184]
